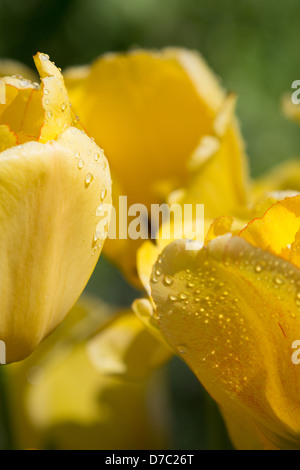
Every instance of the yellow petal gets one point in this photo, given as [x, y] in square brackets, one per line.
[276, 230]
[47, 234]
[56, 104]
[232, 313]
[22, 110]
[245, 435]
[7, 138]
[284, 177]
[60, 397]
[219, 167]
[220, 226]
[160, 105]
[125, 349]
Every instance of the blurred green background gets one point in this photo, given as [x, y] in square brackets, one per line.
[252, 45]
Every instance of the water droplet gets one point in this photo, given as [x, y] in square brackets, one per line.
[99, 210]
[173, 297]
[97, 236]
[23, 83]
[44, 57]
[96, 156]
[168, 280]
[77, 154]
[88, 178]
[80, 164]
[278, 280]
[182, 348]
[258, 268]
[183, 296]
[190, 284]
[46, 91]
[103, 194]
[49, 114]
[63, 107]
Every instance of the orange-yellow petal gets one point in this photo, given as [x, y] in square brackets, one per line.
[232, 312]
[276, 230]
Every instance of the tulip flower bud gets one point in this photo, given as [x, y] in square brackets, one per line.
[51, 178]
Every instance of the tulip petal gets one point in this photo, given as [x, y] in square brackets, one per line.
[125, 349]
[162, 105]
[221, 153]
[56, 103]
[232, 312]
[59, 396]
[22, 110]
[7, 137]
[47, 234]
[270, 233]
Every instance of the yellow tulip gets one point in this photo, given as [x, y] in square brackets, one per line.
[52, 179]
[71, 393]
[165, 123]
[231, 310]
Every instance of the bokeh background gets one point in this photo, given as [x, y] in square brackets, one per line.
[252, 45]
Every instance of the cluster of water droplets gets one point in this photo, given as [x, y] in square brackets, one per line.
[210, 304]
[25, 83]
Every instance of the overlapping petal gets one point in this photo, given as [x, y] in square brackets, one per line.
[163, 114]
[232, 312]
[50, 236]
[61, 396]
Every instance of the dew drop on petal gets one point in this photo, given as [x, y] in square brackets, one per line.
[103, 194]
[99, 210]
[278, 280]
[173, 297]
[182, 348]
[80, 164]
[88, 178]
[183, 296]
[23, 83]
[97, 236]
[168, 280]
